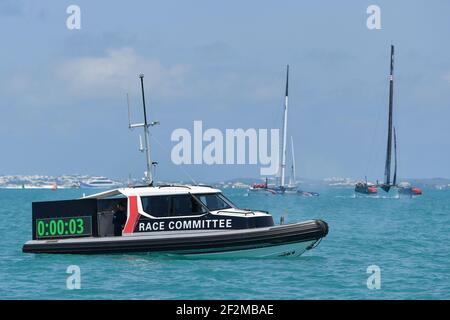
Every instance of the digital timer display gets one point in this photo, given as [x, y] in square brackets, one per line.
[63, 227]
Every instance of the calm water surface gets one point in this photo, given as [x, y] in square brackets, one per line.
[409, 239]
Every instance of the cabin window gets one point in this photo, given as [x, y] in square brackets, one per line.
[157, 206]
[172, 206]
[215, 201]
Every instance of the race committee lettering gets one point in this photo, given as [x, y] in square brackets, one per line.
[147, 226]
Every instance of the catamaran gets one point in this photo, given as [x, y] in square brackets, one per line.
[189, 220]
[365, 187]
[280, 187]
[292, 186]
[405, 188]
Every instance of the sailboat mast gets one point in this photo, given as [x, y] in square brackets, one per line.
[387, 168]
[293, 162]
[283, 152]
[148, 173]
[394, 180]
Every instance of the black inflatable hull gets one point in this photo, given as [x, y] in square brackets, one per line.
[292, 238]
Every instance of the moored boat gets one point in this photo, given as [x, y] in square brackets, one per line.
[99, 183]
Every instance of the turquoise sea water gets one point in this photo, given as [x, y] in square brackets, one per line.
[409, 239]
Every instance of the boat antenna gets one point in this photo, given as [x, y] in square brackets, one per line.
[148, 177]
[154, 164]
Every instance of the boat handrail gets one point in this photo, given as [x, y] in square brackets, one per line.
[140, 186]
[243, 211]
[203, 185]
[173, 186]
[253, 210]
[185, 186]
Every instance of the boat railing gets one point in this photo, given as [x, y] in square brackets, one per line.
[173, 186]
[203, 185]
[244, 211]
[184, 186]
[253, 210]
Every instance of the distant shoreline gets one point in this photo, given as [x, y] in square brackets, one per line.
[73, 181]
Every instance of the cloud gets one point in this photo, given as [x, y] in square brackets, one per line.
[447, 77]
[79, 44]
[117, 71]
[108, 76]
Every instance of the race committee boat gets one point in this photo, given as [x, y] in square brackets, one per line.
[176, 219]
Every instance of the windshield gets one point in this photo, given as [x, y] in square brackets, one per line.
[215, 201]
[171, 205]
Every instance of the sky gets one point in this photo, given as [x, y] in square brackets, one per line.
[63, 92]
